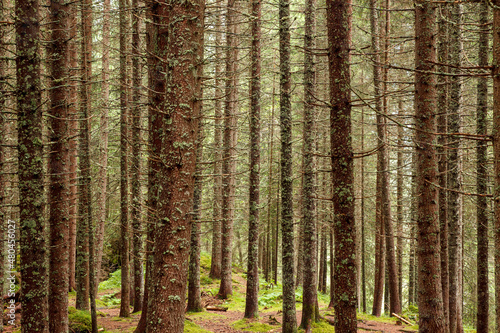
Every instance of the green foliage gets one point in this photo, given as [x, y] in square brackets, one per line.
[381, 319]
[190, 327]
[411, 313]
[110, 300]
[114, 281]
[205, 261]
[247, 325]
[205, 280]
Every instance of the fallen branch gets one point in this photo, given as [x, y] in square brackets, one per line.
[217, 308]
[402, 319]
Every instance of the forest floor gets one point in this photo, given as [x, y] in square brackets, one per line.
[230, 321]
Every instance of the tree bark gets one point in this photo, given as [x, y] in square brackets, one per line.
[380, 248]
[58, 168]
[176, 101]
[229, 143]
[496, 151]
[288, 251]
[103, 139]
[252, 297]
[482, 215]
[124, 212]
[339, 16]
[430, 299]
[84, 200]
[442, 127]
[194, 290]
[33, 246]
[215, 267]
[310, 297]
[136, 114]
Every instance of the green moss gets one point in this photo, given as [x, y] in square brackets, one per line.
[248, 325]
[381, 319]
[114, 281]
[190, 327]
[203, 315]
[79, 321]
[321, 327]
[205, 261]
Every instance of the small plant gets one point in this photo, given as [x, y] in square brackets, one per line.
[110, 300]
[247, 325]
[114, 281]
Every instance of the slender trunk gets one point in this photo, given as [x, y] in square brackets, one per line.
[124, 111]
[339, 17]
[176, 102]
[252, 297]
[229, 142]
[58, 168]
[496, 151]
[430, 298]
[84, 201]
[103, 139]
[288, 251]
[310, 297]
[194, 290]
[30, 158]
[136, 158]
[363, 241]
[482, 215]
[3, 165]
[399, 201]
[215, 268]
[443, 94]
[454, 183]
[153, 167]
[380, 247]
[73, 164]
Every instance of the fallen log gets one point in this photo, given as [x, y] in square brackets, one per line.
[402, 319]
[216, 308]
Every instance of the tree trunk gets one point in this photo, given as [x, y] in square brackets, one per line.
[136, 158]
[252, 297]
[124, 110]
[229, 142]
[380, 247]
[399, 201]
[73, 151]
[442, 127]
[482, 214]
[310, 297]
[194, 293]
[339, 15]
[33, 246]
[288, 251]
[496, 151]
[103, 140]
[3, 165]
[362, 220]
[430, 299]
[215, 267]
[454, 182]
[84, 201]
[58, 168]
[176, 102]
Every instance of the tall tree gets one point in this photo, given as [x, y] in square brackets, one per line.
[430, 299]
[288, 271]
[103, 137]
[3, 168]
[58, 168]
[194, 290]
[176, 103]
[124, 211]
[339, 15]
[30, 157]
[380, 248]
[229, 147]
[136, 114]
[84, 199]
[454, 166]
[215, 267]
[442, 127]
[482, 216]
[496, 150]
[310, 297]
[252, 298]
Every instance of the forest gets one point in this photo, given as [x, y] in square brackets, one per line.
[199, 166]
